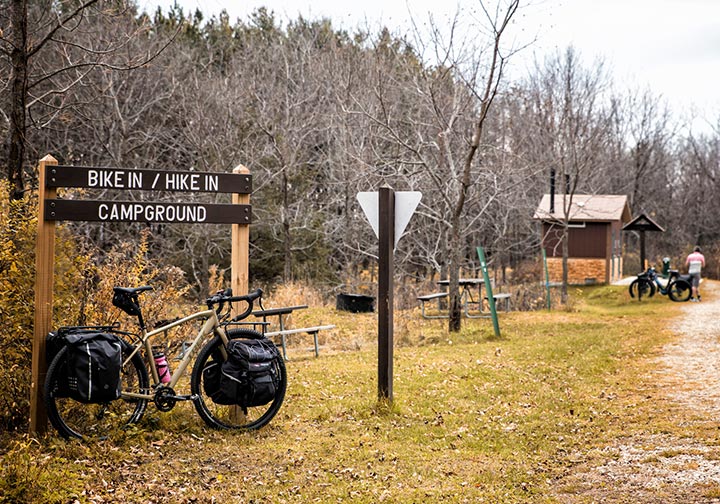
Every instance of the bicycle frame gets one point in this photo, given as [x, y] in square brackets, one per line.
[211, 326]
[664, 288]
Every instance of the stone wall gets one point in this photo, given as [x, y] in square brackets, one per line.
[580, 271]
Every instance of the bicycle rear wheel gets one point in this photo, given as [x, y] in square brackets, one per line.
[74, 419]
[221, 416]
[679, 291]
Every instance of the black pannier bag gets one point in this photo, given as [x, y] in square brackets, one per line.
[54, 342]
[248, 378]
[94, 364]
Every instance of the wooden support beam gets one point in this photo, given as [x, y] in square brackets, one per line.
[240, 255]
[44, 266]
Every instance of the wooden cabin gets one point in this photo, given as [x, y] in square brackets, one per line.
[594, 236]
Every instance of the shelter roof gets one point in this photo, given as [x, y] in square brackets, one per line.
[642, 223]
[585, 207]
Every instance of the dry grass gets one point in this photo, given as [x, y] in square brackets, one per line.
[475, 418]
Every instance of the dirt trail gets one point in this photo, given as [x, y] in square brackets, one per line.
[664, 468]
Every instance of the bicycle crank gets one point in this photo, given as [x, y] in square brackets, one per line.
[165, 398]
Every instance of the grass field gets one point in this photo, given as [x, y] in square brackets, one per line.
[475, 418]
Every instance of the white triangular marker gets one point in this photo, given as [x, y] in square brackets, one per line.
[405, 204]
[369, 204]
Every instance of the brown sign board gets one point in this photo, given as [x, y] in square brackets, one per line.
[131, 211]
[148, 180]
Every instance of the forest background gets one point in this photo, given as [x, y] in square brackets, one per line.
[319, 114]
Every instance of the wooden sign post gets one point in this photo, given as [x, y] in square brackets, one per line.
[52, 209]
[240, 257]
[388, 213]
[44, 266]
[386, 206]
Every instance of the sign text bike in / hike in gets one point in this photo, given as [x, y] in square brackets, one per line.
[148, 180]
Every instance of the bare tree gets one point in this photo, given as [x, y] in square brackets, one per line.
[571, 129]
[436, 116]
[50, 48]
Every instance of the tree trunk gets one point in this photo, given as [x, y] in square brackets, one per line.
[287, 236]
[18, 97]
[454, 308]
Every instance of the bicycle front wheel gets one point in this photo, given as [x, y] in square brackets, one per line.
[74, 419]
[641, 288]
[221, 416]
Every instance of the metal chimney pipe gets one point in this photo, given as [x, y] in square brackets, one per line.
[552, 191]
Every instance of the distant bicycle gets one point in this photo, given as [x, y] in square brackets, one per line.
[677, 288]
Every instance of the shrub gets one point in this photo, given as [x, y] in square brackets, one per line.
[18, 231]
[82, 294]
[26, 476]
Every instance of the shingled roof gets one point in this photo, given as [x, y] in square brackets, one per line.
[585, 208]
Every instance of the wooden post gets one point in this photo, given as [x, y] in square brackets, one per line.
[240, 260]
[240, 252]
[643, 266]
[386, 211]
[44, 266]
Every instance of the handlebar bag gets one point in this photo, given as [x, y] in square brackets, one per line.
[94, 363]
[249, 376]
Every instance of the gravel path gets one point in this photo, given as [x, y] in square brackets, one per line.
[663, 468]
[695, 357]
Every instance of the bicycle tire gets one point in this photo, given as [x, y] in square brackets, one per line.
[74, 419]
[653, 288]
[679, 291]
[233, 417]
[640, 288]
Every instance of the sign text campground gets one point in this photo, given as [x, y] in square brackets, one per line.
[129, 211]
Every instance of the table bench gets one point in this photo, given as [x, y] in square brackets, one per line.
[505, 296]
[429, 297]
[284, 332]
[309, 330]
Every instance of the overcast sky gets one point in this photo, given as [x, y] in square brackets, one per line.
[670, 46]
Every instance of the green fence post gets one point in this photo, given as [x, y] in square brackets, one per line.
[547, 278]
[488, 289]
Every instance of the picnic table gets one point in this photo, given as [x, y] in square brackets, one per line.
[283, 332]
[467, 287]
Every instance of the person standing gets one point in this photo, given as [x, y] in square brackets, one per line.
[695, 262]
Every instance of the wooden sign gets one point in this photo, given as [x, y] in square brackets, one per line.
[131, 211]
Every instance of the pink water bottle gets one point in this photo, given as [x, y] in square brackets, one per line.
[163, 368]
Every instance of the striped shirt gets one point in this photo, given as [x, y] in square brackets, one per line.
[695, 262]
